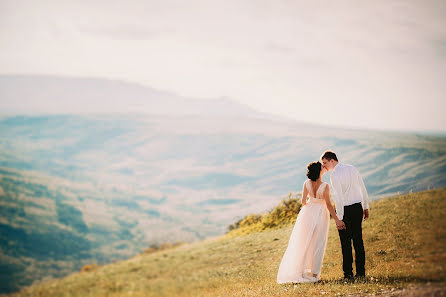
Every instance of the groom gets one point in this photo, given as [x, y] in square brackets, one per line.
[352, 206]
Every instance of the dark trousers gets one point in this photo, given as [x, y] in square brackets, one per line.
[353, 215]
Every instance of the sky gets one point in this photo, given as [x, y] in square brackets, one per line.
[375, 64]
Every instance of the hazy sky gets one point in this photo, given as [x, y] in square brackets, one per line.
[378, 64]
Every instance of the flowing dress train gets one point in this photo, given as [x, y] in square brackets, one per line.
[306, 247]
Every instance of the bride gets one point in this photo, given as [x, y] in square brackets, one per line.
[303, 257]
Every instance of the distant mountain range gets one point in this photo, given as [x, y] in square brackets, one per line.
[77, 188]
[24, 94]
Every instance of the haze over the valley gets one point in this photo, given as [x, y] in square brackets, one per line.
[127, 125]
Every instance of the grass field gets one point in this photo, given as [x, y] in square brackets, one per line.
[405, 242]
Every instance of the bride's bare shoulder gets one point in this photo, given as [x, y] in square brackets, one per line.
[327, 187]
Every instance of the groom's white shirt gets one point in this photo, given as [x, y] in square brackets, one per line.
[349, 188]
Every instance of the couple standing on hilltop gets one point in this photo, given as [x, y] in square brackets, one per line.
[303, 257]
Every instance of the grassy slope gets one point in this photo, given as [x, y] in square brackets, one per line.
[405, 241]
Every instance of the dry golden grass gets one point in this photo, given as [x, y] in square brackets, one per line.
[405, 241]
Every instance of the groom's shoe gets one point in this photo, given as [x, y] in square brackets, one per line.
[349, 278]
[360, 276]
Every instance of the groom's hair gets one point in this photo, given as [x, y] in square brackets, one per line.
[329, 155]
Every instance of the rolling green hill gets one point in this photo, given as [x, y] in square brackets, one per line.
[75, 189]
[405, 241]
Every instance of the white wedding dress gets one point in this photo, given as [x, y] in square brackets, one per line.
[306, 247]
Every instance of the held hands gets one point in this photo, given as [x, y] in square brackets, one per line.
[340, 225]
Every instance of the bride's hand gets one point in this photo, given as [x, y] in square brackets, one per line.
[340, 224]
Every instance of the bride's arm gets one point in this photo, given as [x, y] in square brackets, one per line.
[304, 195]
[330, 207]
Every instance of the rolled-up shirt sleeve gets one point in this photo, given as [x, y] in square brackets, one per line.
[338, 196]
[365, 196]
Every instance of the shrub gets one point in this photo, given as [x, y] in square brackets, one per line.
[89, 267]
[149, 250]
[284, 213]
[164, 246]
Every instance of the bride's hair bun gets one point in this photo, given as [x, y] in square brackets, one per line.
[314, 170]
